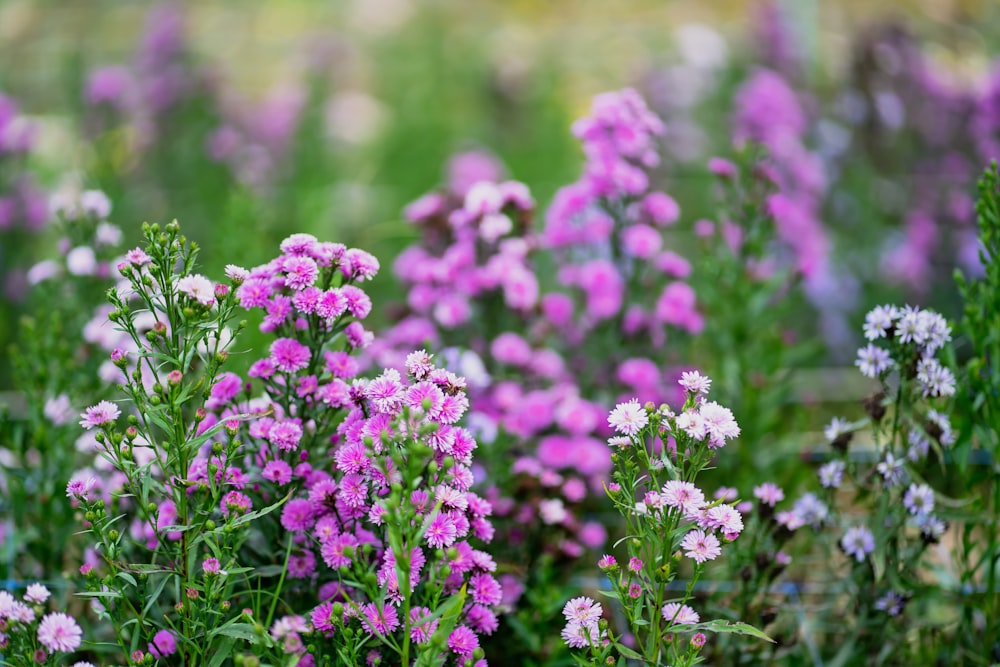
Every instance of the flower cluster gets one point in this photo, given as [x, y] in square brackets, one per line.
[658, 454]
[31, 637]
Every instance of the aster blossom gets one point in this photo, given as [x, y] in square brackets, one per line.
[628, 418]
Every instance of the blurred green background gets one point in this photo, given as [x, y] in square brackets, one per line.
[373, 96]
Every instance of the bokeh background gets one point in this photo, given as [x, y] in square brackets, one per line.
[250, 120]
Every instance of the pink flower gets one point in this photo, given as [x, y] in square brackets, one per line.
[300, 272]
[103, 413]
[289, 355]
[59, 632]
[297, 515]
[463, 640]
[701, 546]
[441, 531]
[676, 613]
[661, 208]
[641, 241]
[628, 418]
[198, 288]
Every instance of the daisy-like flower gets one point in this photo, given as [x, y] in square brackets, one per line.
[237, 273]
[935, 379]
[832, 474]
[289, 355]
[59, 632]
[858, 542]
[422, 626]
[879, 321]
[701, 546]
[583, 610]
[103, 413]
[380, 621]
[695, 382]
[724, 518]
[441, 532]
[463, 640]
[719, 423]
[919, 499]
[891, 603]
[581, 635]
[837, 427]
[873, 360]
[810, 510]
[628, 418]
[682, 495]
[676, 613]
[37, 593]
[891, 470]
[198, 288]
[769, 494]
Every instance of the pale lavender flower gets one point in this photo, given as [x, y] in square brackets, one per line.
[873, 360]
[891, 603]
[919, 499]
[858, 542]
[891, 470]
[879, 321]
[837, 427]
[832, 474]
[810, 510]
[935, 379]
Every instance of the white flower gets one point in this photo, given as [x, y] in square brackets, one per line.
[197, 287]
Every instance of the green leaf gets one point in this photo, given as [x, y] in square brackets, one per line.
[243, 631]
[627, 652]
[224, 651]
[739, 628]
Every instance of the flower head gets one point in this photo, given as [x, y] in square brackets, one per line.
[59, 632]
[103, 413]
[628, 418]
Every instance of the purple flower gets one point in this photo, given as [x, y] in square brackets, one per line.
[919, 499]
[858, 542]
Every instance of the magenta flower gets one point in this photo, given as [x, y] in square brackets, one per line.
[463, 640]
[380, 621]
[289, 355]
[422, 626]
[441, 531]
[163, 644]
